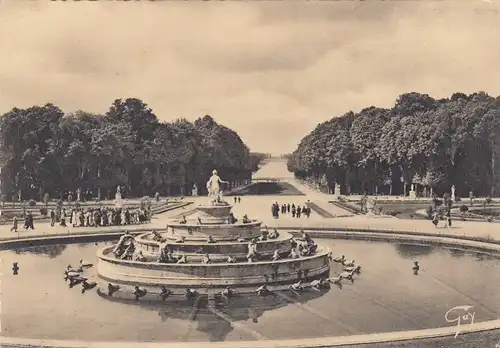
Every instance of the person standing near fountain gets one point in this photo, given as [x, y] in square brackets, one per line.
[213, 185]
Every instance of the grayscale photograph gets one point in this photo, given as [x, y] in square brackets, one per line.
[250, 174]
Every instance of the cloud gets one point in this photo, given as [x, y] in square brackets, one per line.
[269, 70]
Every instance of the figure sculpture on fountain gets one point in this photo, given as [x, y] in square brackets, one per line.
[213, 187]
[118, 198]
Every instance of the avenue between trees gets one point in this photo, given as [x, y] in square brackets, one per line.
[430, 143]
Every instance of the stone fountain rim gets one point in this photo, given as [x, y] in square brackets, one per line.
[221, 242]
[320, 342]
[209, 206]
[317, 342]
[322, 252]
[212, 226]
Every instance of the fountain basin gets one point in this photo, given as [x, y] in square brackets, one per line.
[152, 275]
[221, 249]
[219, 232]
[33, 300]
[217, 210]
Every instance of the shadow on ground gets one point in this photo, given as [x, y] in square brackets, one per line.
[268, 188]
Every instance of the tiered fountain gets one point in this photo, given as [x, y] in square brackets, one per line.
[216, 252]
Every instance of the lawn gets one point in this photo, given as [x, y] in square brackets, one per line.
[267, 188]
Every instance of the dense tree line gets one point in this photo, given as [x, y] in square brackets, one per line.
[42, 150]
[430, 143]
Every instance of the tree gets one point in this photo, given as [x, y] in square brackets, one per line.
[365, 137]
[44, 151]
[423, 141]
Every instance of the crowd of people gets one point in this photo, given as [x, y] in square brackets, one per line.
[295, 211]
[447, 219]
[28, 222]
[90, 217]
[95, 217]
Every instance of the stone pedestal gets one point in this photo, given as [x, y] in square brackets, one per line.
[118, 198]
[118, 201]
[413, 194]
[337, 190]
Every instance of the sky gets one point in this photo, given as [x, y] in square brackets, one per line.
[269, 70]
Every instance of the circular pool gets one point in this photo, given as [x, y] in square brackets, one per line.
[385, 297]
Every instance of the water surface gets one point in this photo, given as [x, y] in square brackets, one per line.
[387, 296]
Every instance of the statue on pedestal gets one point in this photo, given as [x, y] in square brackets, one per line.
[337, 190]
[412, 194]
[213, 186]
[118, 197]
[78, 194]
[364, 204]
[453, 193]
[370, 207]
[194, 191]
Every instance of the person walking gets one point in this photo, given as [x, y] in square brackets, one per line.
[62, 221]
[435, 219]
[307, 211]
[28, 222]
[52, 217]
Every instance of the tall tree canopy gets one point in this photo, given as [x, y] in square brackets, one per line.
[423, 141]
[42, 150]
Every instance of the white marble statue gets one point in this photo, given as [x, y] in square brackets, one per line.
[213, 185]
[453, 193]
[370, 207]
[337, 190]
[219, 197]
[413, 193]
[118, 198]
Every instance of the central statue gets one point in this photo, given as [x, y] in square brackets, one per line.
[213, 184]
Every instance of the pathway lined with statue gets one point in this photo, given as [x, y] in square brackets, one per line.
[260, 206]
[231, 242]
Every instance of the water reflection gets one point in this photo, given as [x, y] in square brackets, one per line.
[485, 257]
[458, 253]
[217, 328]
[386, 288]
[219, 320]
[52, 251]
[410, 251]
